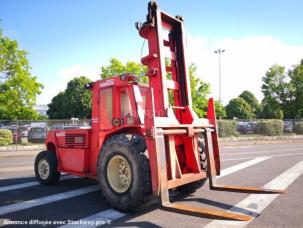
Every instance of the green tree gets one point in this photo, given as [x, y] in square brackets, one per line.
[296, 85]
[276, 91]
[116, 67]
[251, 99]
[75, 101]
[199, 91]
[275, 84]
[239, 108]
[18, 87]
[57, 109]
[220, 110]
[270, 110]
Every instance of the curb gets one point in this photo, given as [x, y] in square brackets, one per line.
[238, 141]
[261, 138]
[22, 151]
[11, 154]
[21, 148]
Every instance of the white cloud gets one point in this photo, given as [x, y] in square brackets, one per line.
[64, 75]
[78, 70]
[243, 64]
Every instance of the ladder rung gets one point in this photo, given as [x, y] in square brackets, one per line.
[145, 60]
[177, 107]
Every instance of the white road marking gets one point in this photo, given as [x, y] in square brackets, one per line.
[29, 184]
[258, 152]
[16, 169]
[254, 204]
[112, 215]
[236, 147]
[47, 199]
[240, 166]
[101, 218]
[108, 214]
[264, 146]
[236, 159]
[246, 158]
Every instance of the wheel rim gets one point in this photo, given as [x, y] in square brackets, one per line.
[43, 169]
[119, 174]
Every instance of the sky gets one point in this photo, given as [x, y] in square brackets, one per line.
[70, 38]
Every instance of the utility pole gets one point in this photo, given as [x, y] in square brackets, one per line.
[219, 51]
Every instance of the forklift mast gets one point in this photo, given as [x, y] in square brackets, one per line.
[166, 61]
[172, 128]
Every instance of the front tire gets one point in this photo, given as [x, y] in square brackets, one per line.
[123, 172]
[46, 168]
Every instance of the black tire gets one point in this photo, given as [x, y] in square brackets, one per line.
[192, 187]
[139, 189]
[44, 159]
[203, 158]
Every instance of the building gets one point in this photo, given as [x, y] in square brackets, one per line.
[41, 109]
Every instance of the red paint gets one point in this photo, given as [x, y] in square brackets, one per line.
[78, 150]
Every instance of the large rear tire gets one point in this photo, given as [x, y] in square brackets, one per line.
[123, 172]
[46, 168]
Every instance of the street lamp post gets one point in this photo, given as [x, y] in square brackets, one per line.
[219, 51]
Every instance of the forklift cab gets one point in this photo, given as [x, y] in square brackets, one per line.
[121, 102]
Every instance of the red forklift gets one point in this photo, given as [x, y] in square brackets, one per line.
[145, 139]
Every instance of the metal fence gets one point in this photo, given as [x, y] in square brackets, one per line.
[245, 127]
[30, 135]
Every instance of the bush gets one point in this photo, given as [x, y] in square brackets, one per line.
[227, 128]
[299, 128]
[6, 137]
[269, 127]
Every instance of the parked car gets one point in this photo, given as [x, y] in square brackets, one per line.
[253, 125]
[70, 126]
[288, 126]
[19, 133]
[245, 127]
[11, 127]
[57, 127]
[37, 134]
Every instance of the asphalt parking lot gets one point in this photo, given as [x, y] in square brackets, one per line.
[78, 201]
